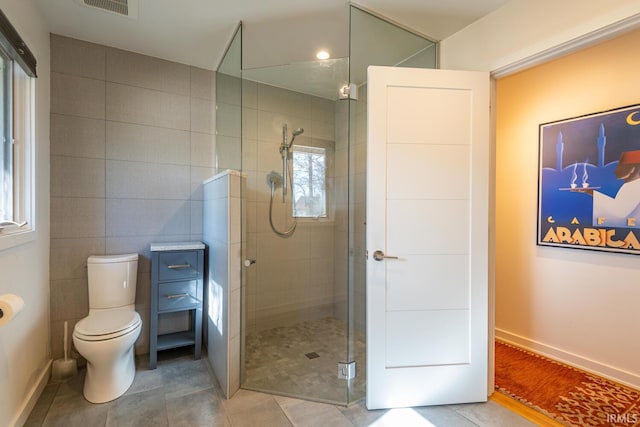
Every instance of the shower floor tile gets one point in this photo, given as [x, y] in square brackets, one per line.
[302, 360]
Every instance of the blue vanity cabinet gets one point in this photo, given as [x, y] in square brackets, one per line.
[177, 276]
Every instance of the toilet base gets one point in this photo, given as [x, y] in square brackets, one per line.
[109, 381]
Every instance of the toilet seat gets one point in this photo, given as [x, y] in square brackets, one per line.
[107, 324]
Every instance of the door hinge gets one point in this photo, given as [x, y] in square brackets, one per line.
[348, 91]
[346, 370]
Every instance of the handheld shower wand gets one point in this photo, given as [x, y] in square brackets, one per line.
[285, 148]
[273, 179]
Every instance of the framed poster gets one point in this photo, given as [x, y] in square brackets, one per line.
[589, 182]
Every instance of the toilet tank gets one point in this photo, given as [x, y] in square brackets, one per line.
[112, 280]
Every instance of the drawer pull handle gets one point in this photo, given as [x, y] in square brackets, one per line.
[177, 296]
[176, 266]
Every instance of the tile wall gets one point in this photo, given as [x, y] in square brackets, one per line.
[132, 139]
[293, 278]
[222, 233]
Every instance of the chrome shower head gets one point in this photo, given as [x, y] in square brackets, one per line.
[297, 132]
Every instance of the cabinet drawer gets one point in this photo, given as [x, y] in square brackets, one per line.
[178, 265]
[178, 295]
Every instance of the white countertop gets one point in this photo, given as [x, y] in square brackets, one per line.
[175, 246]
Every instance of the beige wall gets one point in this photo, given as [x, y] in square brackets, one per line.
[525, 30]
[24, 269]
[131, 142]
[580, 306]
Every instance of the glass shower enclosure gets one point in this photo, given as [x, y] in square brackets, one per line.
[297, 132]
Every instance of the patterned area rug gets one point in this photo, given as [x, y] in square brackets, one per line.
[568, 395]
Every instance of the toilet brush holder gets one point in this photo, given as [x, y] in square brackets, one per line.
[66, 368]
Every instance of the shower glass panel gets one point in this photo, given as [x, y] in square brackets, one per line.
[373, 41]
[229, 106]
[294, 153]
[298, 133]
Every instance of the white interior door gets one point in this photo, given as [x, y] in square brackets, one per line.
[427, 205]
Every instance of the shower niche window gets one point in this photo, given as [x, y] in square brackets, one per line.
[309, 182]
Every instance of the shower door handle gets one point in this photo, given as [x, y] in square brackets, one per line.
[380, 256]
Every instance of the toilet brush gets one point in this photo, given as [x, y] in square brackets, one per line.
[63, 369]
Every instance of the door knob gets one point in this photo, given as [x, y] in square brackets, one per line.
[379, 256]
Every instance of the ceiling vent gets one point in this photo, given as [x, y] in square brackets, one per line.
[128, 8]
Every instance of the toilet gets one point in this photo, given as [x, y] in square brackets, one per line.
[105, 338]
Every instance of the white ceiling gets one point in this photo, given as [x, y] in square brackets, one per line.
[196, 32]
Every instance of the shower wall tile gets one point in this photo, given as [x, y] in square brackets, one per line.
[78, 58]
[229, 89]
[252, 185]
[235, 263]
[229, 151]
[249, 123]
[270, 125]
[202, 115]
[140, 217]
[77, 136]
[228, 119]
[77, 96]
[77, 177]
[198, 176]
[138, 180]
[249, 154]
[250, 212]
[135, 111]
[68, 257]
[148, 72]
[217, 211]
[249, 94]
[143, 287]
[69, 299]
[203, 149]
[324, 110]
[269, 157]
[323, 130]
[286, 102]
[203, 83]
[196, 217]
[341, 169]
[127, 141]
[147, 107]
[77, 217]
[296, 273]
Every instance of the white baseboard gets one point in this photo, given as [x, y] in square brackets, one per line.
[577, 361]
[32, 397]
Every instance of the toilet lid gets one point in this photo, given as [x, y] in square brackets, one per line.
[108, 322]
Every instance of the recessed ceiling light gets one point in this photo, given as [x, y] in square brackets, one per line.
[323, 54]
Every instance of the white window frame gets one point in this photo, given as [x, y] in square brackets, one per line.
[23, 126]
[327, 206]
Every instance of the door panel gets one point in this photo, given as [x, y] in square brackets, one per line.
[410, 288]
[427, 210]
[448, 344]
[429, 166]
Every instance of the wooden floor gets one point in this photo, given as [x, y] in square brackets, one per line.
[531, 414]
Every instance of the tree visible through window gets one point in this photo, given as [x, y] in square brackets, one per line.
[309, 182]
